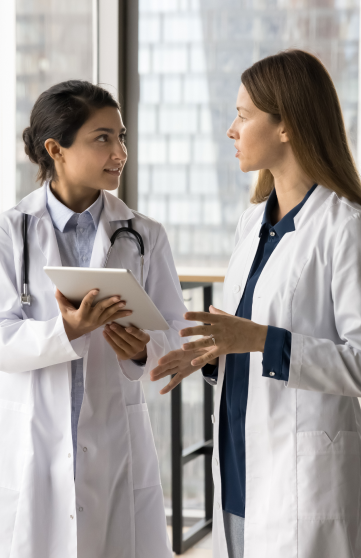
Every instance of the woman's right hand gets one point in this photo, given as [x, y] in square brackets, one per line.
[87, 318]
[178, 364]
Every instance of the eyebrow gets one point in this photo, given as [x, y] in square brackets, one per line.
[108, 130]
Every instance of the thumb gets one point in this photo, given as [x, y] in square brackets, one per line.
[214, 310]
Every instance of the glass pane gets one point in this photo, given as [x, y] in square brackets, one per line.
[192, 54]
[193, 491]
[53, 44]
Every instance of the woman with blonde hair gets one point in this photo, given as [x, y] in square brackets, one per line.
[286, 351]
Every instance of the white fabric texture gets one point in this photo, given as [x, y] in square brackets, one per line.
[115, 508]
[303, 467]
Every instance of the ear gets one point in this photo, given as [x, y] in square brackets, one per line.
[284, 137]
[54, 149]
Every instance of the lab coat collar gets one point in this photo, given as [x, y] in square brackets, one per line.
[287, 223]
[35, 204]
[61, 214]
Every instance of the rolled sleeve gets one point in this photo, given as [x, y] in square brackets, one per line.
[277, 354]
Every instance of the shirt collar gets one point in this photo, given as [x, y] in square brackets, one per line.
[286, 224]
[60, 214]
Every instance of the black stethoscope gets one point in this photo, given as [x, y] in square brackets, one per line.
[25, 297]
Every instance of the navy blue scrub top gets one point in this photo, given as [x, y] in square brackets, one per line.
[276, 361]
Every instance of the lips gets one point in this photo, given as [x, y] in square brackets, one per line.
[113, 172]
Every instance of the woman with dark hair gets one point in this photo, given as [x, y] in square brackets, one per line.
[78, 469]
[286, 351]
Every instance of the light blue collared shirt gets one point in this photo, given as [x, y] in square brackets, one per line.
[75, 233]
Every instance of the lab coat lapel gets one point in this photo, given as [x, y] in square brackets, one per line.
[101, 242]
[114, 210]
[238, 274]
[35, 205]
[47, 241]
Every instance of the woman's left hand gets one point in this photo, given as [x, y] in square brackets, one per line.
[127, 342]
[230, 333]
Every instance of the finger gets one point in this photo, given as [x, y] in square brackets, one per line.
[172, 384]
[204, 317]
[176, 380]
[122, 333]
[161, 371]
[175, 356]
[199, 344]
[135, 332]
[63, 302]
[121, 342]
[102, 306]
[204, 359]
[110, 313]
[197, 330]
[88, 300]
[128, 342]
[214, 310]
[120, 353]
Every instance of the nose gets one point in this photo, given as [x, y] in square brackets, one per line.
[120, 151]
[231, 132]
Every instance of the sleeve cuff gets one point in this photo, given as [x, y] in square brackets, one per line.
[210, 374]
[277, 354]
[81, 345]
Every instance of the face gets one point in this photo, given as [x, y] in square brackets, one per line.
[98, 154]
[260, 141]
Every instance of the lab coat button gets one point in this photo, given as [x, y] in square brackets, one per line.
[272, 374]
[236, 288]
[85, 449]
[80, 508]
[216, 462]
[71, 517]
[213, 419]
[69, 454]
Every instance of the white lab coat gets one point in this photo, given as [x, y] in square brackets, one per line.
[303, 471]
[115, 507]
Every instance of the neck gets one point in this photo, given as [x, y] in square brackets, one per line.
[77, 198]
[291, 188]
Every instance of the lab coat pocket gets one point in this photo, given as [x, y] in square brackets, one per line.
[144, 457]
[328, 475]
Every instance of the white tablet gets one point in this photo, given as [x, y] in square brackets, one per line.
[76, 282]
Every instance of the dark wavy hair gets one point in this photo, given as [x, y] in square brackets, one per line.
[295, 87]
[58, 113]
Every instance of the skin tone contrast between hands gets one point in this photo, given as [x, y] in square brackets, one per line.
[92, 163]
[261, 143]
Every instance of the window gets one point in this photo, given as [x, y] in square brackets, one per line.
[191, 56]
[54, 43]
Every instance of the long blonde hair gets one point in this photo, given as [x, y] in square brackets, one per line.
[294, 87]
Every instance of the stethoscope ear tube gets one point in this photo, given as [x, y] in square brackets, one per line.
[138, 238]
[25, 297]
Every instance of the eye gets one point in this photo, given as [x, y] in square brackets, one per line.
[103, 138]
[241, 117]
[123, 137]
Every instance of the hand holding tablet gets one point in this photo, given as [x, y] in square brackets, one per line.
[76, 282]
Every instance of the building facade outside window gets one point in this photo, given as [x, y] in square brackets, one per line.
[54, 43]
